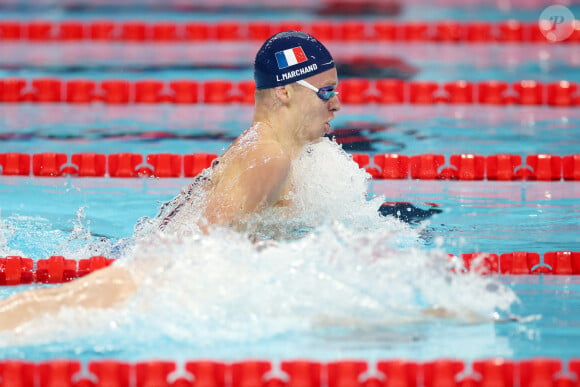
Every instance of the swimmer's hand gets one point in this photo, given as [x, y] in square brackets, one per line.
[466, 315]
[438, 311]
[472, 317]
[408, 212]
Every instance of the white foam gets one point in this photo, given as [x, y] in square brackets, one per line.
[37, 235]
[353, 268]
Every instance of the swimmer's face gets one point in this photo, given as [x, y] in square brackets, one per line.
[316, 113]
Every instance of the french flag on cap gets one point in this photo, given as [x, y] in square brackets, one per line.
[290, 57]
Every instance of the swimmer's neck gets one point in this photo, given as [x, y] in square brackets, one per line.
[281, 129]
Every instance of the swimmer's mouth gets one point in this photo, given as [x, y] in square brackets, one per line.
[327, 127]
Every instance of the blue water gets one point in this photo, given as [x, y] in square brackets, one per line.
[40, 215]
[404, 129]
[478, 216]
[441, 62]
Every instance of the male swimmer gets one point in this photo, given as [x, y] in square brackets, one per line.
[295, 100]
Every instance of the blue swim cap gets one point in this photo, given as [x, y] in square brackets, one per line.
[288, 57]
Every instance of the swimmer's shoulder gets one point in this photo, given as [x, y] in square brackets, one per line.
[275, 157]
[267, 160]
[265, 151]
[272, 148]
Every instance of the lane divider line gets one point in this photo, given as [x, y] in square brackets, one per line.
[466, 166]
[561, 93]
[17, 270]
[288, 373]
[476, 32]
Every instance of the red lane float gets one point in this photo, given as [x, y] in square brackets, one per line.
[55, 270]
[541, 167]
[57, 372]
[353, 91]
[248, 373]
[399, 372]
[302, 373]
[108, 373]
[467, 166]
[446, 31]
[89, 164]
[15, 270]
[343, 373]
[390, 166]
[441, 372]
[563, 262]
[521, 262]
[208, 373]
[194, 164]
[496, 372]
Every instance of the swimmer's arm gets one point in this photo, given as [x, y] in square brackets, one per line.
[258, 187]
[264, 183]
[466, 315]
[101, 289]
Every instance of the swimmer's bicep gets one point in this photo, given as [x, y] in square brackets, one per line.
[257, 186]
[262, 184]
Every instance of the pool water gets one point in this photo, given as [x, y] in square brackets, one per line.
[473, 214]
[405, 129]
[532, 216]
[323, 296]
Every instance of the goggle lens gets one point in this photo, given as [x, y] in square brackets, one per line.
[326, 93]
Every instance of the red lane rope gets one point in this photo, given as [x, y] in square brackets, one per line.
[353, 91]
[508, 31]
[498, 167]
[351, 373]
[16, 270]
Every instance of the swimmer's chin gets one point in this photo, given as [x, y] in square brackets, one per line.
[319, 140]
[324, 133]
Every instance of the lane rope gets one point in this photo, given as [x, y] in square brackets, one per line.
[17, 270]
[476, 32]
[355, 373]
[466, 166]
[562, 93]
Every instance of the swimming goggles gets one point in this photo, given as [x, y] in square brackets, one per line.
[324, 93]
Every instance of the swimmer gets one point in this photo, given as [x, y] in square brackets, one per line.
[295, 100]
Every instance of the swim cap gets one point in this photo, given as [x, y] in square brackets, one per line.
[288, 57]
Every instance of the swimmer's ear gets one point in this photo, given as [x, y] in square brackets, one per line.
[283, 93]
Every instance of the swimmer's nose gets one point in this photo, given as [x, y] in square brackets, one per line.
[334, 104]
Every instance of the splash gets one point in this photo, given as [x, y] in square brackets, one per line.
[340, 265]
[80, 243]
[27, 236]
[6, 234]
[35, 236]
[329, 185]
